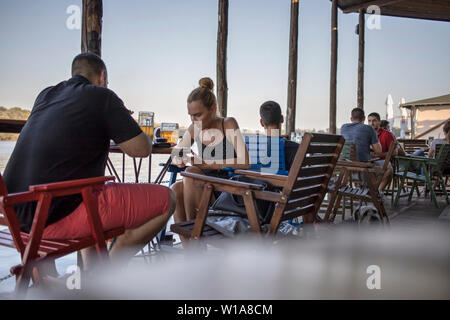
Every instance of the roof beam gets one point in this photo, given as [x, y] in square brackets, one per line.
[365, 5]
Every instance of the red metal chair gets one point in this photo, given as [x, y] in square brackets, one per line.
[33, 249]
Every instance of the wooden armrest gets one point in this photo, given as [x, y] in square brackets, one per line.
[19, 197]
[232, 183]
[414, 158]
[357, 164]
[275, 179]
[79, 183]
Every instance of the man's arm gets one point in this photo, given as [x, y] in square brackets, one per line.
[377, 150]
[137, 147]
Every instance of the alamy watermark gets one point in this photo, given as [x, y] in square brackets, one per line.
[374, 280]
[373, 21]
[73, 22]
[73, 281]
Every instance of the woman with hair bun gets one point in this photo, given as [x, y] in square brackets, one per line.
[220, 145]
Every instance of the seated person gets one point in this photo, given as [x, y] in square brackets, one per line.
[385, 138]
[385, 125]
[220, 144]
[446, 140]
[67, 137]
[362, 135]
[271, 120]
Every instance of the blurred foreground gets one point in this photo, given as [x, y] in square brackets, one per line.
[344, 262]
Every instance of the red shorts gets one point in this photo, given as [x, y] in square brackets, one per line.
[125, 205]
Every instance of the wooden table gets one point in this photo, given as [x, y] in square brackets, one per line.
[367, 193]
[137, 166]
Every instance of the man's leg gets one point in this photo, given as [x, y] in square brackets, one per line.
[133, 239]
[129, 243]
[387, 177]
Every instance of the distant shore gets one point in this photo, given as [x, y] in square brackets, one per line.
[15, 113]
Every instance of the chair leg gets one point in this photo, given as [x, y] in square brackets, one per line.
[428, 182]
[399, 191]
[444, 188]
[22, 282]
[412, 191]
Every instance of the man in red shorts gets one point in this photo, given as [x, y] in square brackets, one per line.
[385, 138]
[67, 137]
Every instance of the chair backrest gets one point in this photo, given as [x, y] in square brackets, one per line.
[8, 218]
[411, 145]
[266, 154]
[309, 175]
[443, 157]
[348, 152]
[3, 192]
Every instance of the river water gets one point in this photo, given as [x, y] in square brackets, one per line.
[7, 147]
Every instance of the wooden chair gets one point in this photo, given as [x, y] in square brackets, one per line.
[432, 168]
[368, 188]
[411, 145]
[301, 192]
[33, 249]
[446, 171]
[348, 153]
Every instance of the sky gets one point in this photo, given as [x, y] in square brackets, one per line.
[157, 50]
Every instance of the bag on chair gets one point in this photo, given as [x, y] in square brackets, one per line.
[232, 203]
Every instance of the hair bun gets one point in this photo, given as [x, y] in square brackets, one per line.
[206, 83]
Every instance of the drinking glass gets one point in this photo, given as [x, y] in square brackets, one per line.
[146, 122]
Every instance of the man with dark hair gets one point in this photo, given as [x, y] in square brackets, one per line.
[271, 120]
[66, 137]
[385, 125]
[386, 138]
[362, 135]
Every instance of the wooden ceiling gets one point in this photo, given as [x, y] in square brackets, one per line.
[420, 9]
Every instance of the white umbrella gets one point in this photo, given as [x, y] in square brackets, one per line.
[390, 110]
[404, 121]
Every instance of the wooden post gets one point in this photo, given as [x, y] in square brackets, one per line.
[292, 78]
[361, 31]
[333, 68]
[222, 38]
[91, 33]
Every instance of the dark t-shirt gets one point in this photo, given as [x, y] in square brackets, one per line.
[290, 150]
[362, 135]
[66, 137]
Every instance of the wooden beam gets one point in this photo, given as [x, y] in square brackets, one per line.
[361, 33]
[292, 73]
[365, 5]
[333, 67]
[221, 71]
[91, 33]
[11, 126]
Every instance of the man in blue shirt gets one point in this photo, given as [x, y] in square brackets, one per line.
[362, 135]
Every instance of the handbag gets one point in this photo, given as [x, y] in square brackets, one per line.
[231, 203]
